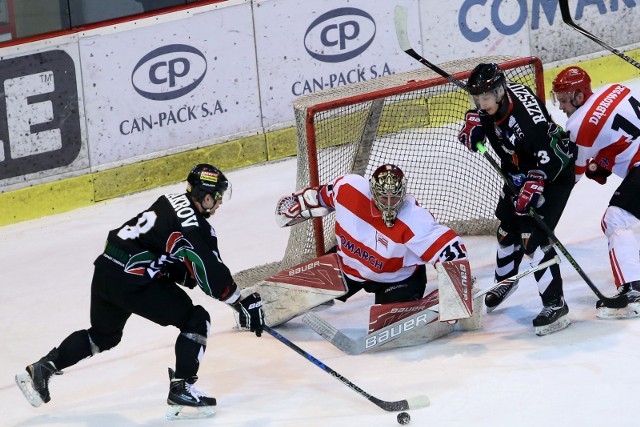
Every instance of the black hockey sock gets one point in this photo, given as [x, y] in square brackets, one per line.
[73, 349]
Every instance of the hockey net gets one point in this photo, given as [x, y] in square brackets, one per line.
[410, 119]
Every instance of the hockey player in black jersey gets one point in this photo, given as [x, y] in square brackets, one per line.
[145, 265]
[537, 155]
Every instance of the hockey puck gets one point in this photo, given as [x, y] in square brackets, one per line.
[403, 418]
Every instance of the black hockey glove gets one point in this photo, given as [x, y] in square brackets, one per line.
[172, 267]
[251, 314]
[472, 132]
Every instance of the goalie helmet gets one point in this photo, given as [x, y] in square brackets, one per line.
[569, 81]
[388, 188]
[207, 179]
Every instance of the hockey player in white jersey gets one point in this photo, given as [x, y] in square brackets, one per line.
[606, 128]
[384, 238]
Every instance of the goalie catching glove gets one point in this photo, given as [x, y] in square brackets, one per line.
[250, 312]
[531, 192]
[299, 207]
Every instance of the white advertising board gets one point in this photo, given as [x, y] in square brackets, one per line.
[304, 47]
[471, 28]
[172, 84]
[614, 22]
[41, 113]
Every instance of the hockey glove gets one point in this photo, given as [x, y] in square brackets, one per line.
[531, 192]
[299, 207]
[597, 171]
[472, 132]
[172, 267]
[251, 315]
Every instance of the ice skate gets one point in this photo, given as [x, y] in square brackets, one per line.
[496, 296]
[552, 318]
[632, 291]
[34, 381]
[182, 393]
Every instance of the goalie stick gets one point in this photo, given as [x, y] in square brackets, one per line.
[416, 402]
[354, 346]
[566, 18]
[619, 301]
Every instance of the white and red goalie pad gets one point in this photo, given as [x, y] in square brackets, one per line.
[381, 315]
[454, 285]
[298, 289]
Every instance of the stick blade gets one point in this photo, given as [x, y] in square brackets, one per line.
[418, 402]
[400, 20]
[620, 301]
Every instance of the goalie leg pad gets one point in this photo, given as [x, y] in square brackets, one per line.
[298, 289]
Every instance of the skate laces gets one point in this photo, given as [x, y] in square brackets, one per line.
[502, 290]
[193, 391]
[549, 310]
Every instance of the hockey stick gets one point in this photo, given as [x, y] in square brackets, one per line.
[353, 346]
[619, 301]
[400, 405]
[566, 18]
[400, 20]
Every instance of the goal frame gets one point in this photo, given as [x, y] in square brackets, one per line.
[412, 85]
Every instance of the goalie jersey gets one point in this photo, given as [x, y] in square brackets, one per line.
[371, 251]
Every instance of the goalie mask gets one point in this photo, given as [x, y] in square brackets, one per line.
[207, 179]
[487, 86]
[388, 188]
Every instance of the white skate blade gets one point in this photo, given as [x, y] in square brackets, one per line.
[25, 383]
[631, 310]
[178, 412]
[556, 326]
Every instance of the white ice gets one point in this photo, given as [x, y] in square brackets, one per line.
[501, 375]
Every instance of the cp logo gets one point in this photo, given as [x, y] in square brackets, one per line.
[169, 72]
[340, 34]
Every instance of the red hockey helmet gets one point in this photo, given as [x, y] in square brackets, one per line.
[571, 80]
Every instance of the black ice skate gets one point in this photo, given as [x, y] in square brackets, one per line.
[182, 392]
[496, 296]
[632, 291]
[34, 381]
[552, 318]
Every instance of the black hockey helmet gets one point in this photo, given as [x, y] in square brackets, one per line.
[485, 78]
[207, 179]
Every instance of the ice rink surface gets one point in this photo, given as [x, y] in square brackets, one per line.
[501, 375]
